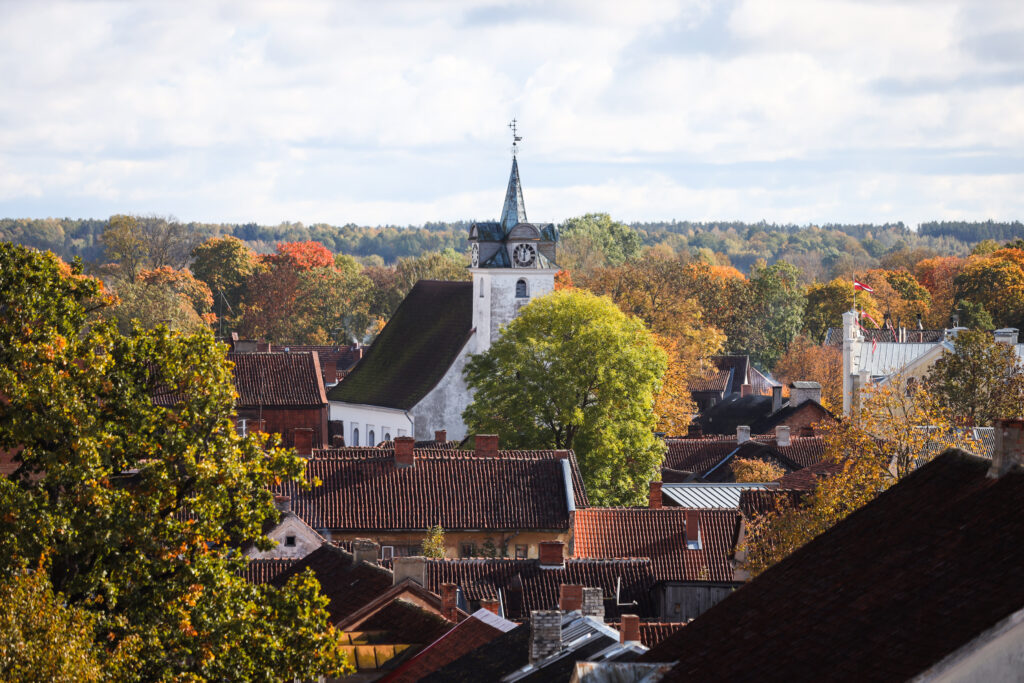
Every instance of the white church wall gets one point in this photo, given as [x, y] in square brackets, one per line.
[384, 422]
[443, 405]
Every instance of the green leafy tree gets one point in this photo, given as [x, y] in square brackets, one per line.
[973, 316]
[996, 282]
[774, 313]
[224, 264]
[123, 244]
[433, 542]
[617, 241]
[134, 487]
[573, 371]
[979, 381]
[826, 304]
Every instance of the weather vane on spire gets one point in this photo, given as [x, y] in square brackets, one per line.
[516, 138]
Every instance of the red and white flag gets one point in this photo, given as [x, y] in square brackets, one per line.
[865, 314]
[857, 284]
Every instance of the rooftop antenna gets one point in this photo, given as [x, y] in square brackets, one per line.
[516, 138]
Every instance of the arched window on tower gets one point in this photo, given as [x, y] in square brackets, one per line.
[371, 439]
[355, 436]
[521, 290]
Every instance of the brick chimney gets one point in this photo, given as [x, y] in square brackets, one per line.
[283, 503]
[1009, 446]
[441, 436]
[487, 445]
[694, 431]
[782, 435]
[654, 498]
[742, 434]
[545, 634]
[593, 603]
[490, 604]
[630, 632]
[414, 568]
[551, 553]
[330, 372]
[693, 529]
[746, 390]
[449, 601]
[365, 550]
[570, 598]
[403, 451]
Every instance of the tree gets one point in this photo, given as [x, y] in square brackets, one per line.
[898, 294]
[433, 542]
[134, 490]
[573, 371]
[896, 430]
[979, 381]
[137, 242]
[826, 304]
[937, 276]
[997, 283]
[44, 639]
[617, 242]
[973, 315]
[806, 361]
[123, 244]
[773, 314]
[148, 305]
[755, 470]
[224, 264]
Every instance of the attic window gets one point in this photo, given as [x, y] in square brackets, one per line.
[289, 541]
[521, 290]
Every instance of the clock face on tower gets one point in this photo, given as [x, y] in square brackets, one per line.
[524, 255]
[476, 255]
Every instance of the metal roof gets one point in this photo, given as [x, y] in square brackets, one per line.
[885, 358]
[710, 495]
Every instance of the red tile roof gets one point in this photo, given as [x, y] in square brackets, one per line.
[716, 380]
[467, 636]
[363, 490]
[345, 357]
[348, 585]
[482, 578]
[414, 350]
[450, 450]
[653, 632]
[660, 534]
[807, 478]
[263, 571]
[700, 455]
[893, 589]
[278, 379]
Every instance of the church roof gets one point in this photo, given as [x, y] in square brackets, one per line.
[514, 211]
[414, 350]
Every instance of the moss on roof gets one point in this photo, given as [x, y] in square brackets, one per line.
[414, 350]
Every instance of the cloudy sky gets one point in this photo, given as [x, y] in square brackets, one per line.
[395, 112]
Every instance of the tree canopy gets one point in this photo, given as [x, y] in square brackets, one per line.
[573, 371]
[134, 490]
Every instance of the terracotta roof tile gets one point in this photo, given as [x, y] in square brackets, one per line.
[885, 594]
[467, 636]
[482, 578]
[414, 350]
[716, 380]
[653, 632]
[263, 571]
[345, 357]
[277, 379]
[362, 489]
[701, 455]
[660, 534]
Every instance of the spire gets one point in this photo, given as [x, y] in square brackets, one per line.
[514, 210]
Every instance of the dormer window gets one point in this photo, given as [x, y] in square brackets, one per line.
[522, 292]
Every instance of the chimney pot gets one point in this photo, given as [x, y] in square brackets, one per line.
[776, 398]
[414, 568]
[330, 372]
[1009, 446]
[551, 553]
[365, 550]
[570, 598]
[403, 451]
[782, 435]
[545, 634]
[593, 603]
[693, 529]
[746, 390]
[655, 500]
[441, 436]
[742, 434]
[630, 629]
[449, 600]
[487, 445]
[490, 604]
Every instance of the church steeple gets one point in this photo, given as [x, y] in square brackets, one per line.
[514, 211]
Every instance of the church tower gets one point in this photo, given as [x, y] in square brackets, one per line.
[513, 262]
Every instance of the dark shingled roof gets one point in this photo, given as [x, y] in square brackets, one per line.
[481, 578]
[470, 634]
[345, 357]
[653, 632]
[702, 455]
[363, 490]
[834, 336]
[414, 350]
[348, 585]
[660, 534]
[277, 379]
[884, 595]
[768, 423]
[488, 662]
